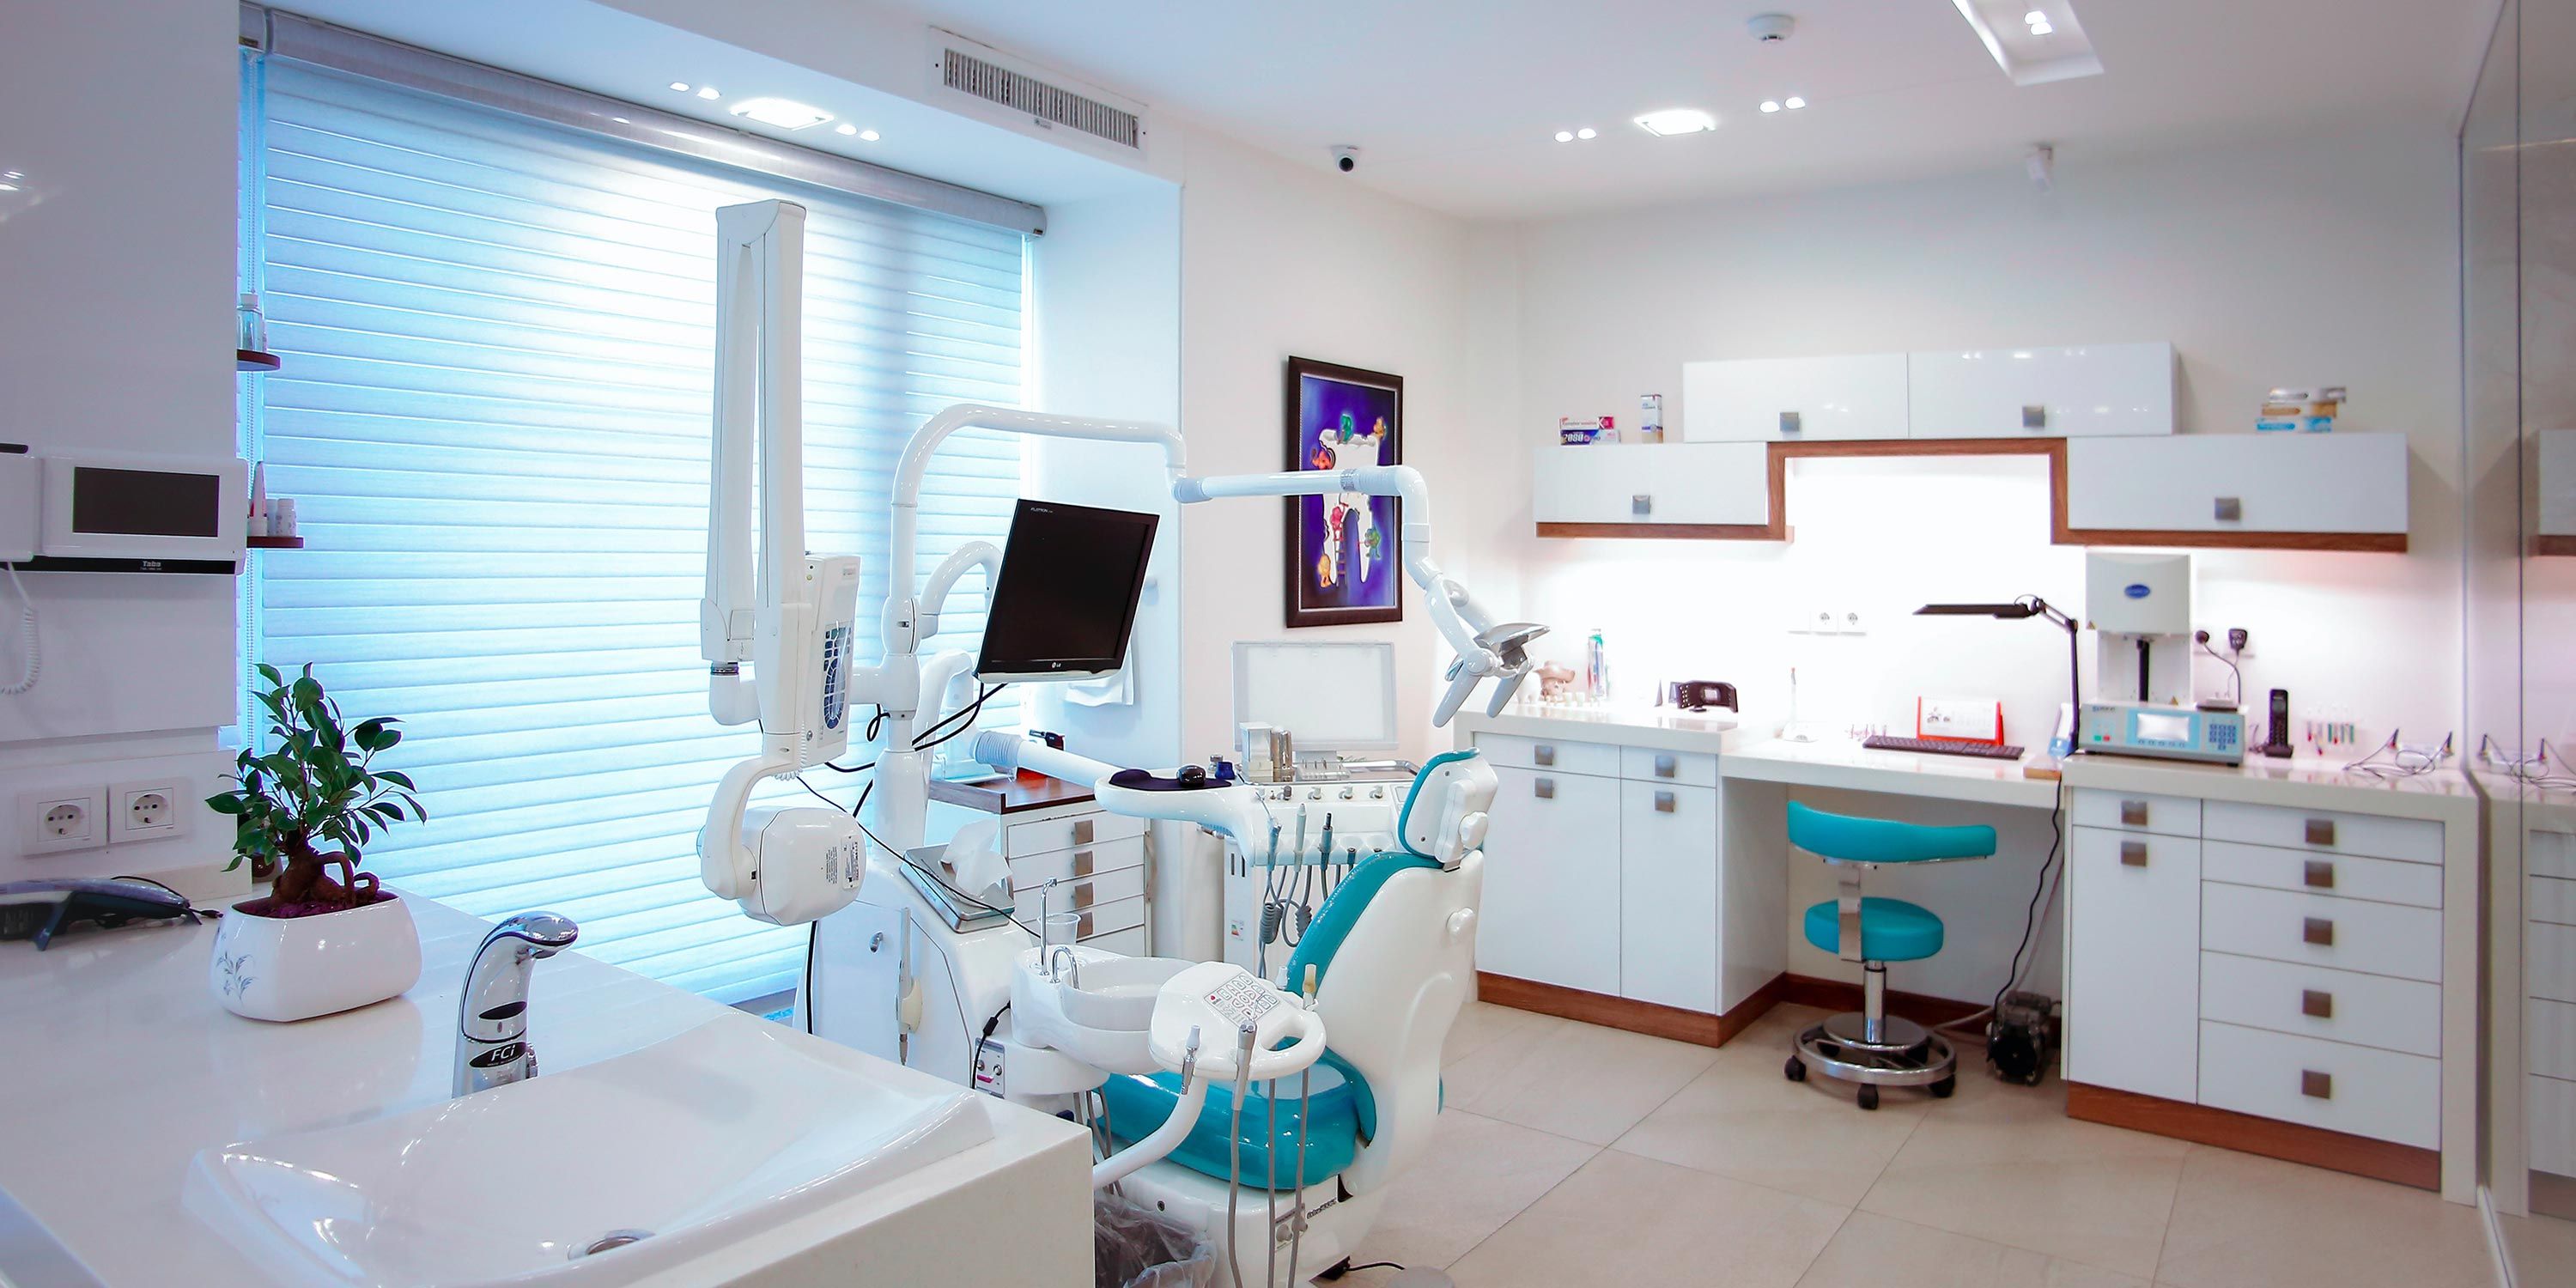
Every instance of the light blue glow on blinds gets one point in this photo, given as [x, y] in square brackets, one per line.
[493, 416]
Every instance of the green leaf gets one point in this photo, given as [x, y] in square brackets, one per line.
[228, 803]
[399, 779]
[269, 673]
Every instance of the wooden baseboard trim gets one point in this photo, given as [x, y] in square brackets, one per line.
[1650, 1018]
[2227, 1129]
[1837, 995]
[2553, 544]
[2553, 1195]
[1666, 531]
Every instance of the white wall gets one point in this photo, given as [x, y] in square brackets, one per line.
[118, 257]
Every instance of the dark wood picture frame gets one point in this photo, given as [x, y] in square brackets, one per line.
[1310, 539]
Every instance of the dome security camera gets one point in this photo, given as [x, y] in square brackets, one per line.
[1770, 28]
[1346, 158]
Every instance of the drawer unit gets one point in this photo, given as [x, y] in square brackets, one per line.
[2549, 1120]
[1046, 834]
[1078, 894]
[1110, 919]
[2549, 961]
[1794, 399]
[2136, 812]
[1650, 483]
[1689, 768]
[1511, 751]
[2133, 961]
[2042, 392]
[1069, 865]
[2361, 1091]
[2551, 900]
[2549, 1037]
[2321, 930]
[2383, 880]
[2415, 840]
[2312, 1001]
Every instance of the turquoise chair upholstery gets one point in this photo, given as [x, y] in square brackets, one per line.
[1875, 840]
[1891, 930]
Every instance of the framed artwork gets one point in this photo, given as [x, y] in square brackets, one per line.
[1343, 548]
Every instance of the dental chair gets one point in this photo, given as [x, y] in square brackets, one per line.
[1391, 959]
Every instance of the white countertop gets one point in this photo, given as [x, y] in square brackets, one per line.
[121, 1066]
[1844, 763]
[2444, 795]
[1659, 728]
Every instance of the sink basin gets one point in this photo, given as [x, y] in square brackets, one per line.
[595, 1174]
[1118, 993]
[1102, 1025]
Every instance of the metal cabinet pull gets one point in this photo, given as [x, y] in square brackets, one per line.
[2320, 874]
[2228, 510]
[1664, 767]
[1789, 422]
[1642, 504]
[1082, 928]
[2133, 813]
[1083, 895]
[1543, 754]
[1084, 831]
[2321, 831]
[2133, 854]
[2316, 1003]
[2315, 1085]
[1663, 802]
[1082, 861]
[1546, 788]
[2318, 931]
[2034, 416]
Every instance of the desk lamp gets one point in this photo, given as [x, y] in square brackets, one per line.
[2028, 606]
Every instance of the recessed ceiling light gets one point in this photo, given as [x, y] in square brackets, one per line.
[2035, 18]
[708, 91]
[1676, 120]
[2041, 29]
[680, 86]
[785, 113]
[1587, 132]
[8, 187]
[1770, 105]
[869, 136]
[1565, 136]
[1796, 102]
[845, 128]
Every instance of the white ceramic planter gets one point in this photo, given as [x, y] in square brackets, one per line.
[270, 968]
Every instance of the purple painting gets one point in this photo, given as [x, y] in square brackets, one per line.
[1343, 548]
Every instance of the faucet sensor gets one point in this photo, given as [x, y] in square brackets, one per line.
[492, 1047]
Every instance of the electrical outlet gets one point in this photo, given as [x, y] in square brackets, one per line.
[2239, 639]
[52, 819]
[1851, 621]
[146, 811]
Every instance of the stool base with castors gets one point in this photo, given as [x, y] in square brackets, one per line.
[1869, 1046]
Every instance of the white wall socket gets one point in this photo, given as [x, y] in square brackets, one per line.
[147, 811]
[53, 819]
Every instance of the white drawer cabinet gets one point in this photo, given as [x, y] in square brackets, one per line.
[2551, 900]
[2136, 812]
[1035, 870]
[2061, 391]
[1668, 895]
[1512, 751]
[2380, 880]
[1794, 399]
[1649, 483]
[1552, 884]
[2361, 1091]
[2246, 483]
[1076, 894]
[2321, 930]
[2133, 975]
[1651, 765]
[2413, 840]
[2312, 1001]
[1067, 831]
[2549, 1037]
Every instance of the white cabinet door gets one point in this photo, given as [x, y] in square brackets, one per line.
[1651, 483]
[2557, 482]
[1794, 399]
[1668, 915]
[2057, 392]
[2239, 483]
[2133, 962]
[1551, 909]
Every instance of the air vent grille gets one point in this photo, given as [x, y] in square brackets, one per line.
[968, 74]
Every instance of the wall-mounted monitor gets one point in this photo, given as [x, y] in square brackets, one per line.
[1064, 606]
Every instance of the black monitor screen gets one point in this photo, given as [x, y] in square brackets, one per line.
[1066, 599]
[146, 503]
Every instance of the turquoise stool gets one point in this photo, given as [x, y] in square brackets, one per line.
[1871, 1047]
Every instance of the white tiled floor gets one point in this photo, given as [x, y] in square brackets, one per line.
[1576, 1155]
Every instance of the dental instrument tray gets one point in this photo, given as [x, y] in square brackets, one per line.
[961, 914]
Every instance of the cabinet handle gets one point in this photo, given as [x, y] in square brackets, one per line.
[2133, 854]
[1789, 423]
[2318, 931]
[1641, 504]
[2321, 831]
[1083, 831]
[2133, 813]
[1082, 928]
[2229, 510]
[2316, 1003]
[2034, 416]
[1664, 767]
[1543, 754]
[1083, 896]
[1546, 789]
[2315, 1085]
[2320, 874]
[1663, 802]
[1082, 862]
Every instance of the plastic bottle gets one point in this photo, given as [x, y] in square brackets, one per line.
[1596, 666]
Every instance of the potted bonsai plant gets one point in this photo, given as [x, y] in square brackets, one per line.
[315, 943]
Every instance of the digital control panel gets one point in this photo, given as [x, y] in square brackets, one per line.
[2174, 733]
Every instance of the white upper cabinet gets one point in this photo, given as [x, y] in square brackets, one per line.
[2061, 392]
[2557, 451]
[2342, 483]
[1649, 484]
[1794, 399]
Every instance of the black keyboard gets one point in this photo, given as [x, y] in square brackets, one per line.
[1942, 746]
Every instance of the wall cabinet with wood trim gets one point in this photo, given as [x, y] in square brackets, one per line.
[1770, 400]
[2079, 390]
[2208, 489]
[1647, 490]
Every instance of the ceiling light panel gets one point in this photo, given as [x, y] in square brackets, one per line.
[1676, 120]
[2035, 43]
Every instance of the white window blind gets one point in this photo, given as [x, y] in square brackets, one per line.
[494, 414]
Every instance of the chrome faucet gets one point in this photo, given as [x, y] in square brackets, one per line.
[492, 1018]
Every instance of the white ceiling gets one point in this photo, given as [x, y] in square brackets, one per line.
[1455, 102]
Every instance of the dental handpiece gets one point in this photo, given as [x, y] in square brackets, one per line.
[1301, 834]
[1324, 852]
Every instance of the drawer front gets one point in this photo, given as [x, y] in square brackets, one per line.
[2549, 1113]
[2361, 1091]
[2136, 812]
[1065, 833]
[1552, 881]
[2549, 854]
[1130, 941]
[1077, 895]
[2549, 961]
[1077, 863]
[1550, 755]
[2312, 1001]
[1111, 918]
[2414, 840]
[2321, 930]
[1688, 768]
[2382, 880]
[2133, 961]
[2549, 1037]
[2551, 900]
